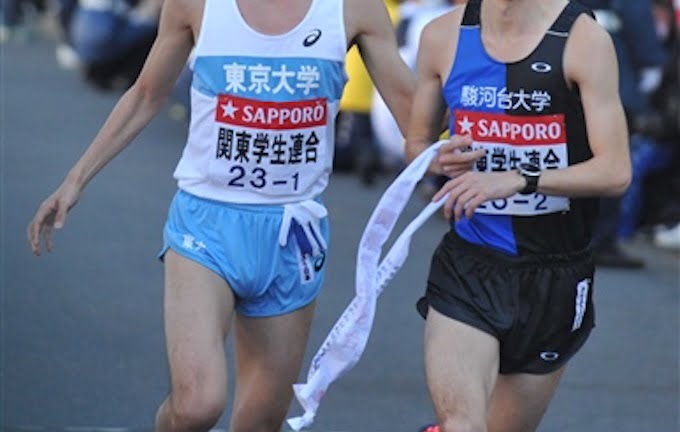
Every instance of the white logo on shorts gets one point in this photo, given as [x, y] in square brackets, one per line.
[581, 302]
[306, 267]
[190, 243]
[550, 356]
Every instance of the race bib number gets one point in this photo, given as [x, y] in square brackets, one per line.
[511, 140]
[274, 148]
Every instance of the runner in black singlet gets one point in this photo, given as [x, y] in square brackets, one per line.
[538, 131]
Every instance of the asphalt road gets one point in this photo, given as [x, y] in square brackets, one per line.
[81, 340]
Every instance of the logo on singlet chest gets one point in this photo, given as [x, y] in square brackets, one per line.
[312, 38]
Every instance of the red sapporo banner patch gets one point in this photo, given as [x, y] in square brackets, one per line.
[239, 111]
[509, 129]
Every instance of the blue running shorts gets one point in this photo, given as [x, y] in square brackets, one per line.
[240, 243]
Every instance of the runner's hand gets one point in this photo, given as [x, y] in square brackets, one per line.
[51, 215]
[455, 157]
[471, 189]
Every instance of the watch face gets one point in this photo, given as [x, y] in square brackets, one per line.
[529, 169]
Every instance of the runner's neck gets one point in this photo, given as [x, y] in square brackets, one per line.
[512, 29]
[273, 17]
[503, 18]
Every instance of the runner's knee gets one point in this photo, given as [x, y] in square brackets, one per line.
[196, 405]
[258, 417]
[462, 423]
[258, 424]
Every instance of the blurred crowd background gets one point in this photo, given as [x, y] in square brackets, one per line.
[105, 42]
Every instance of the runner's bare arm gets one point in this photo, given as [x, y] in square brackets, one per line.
[428, 106]
[368, 24]
[143, 100]
[131, 114]
[608, 172]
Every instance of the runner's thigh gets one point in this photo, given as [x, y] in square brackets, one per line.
[520, 400]
[461, 363]
[198, 309]
[269, 354]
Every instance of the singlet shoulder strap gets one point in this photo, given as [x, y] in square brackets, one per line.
[565, 21]
[471, 16]
[402, 30]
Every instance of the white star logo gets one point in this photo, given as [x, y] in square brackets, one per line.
[229, 109]
[465, 126]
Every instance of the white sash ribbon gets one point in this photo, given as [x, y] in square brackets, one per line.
[308, 215]
[345, 343]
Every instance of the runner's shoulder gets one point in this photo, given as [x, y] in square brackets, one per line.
[358, 9]
[587, 39]
[443, 28]
[589, 36]
[188, 12]
[365, 16]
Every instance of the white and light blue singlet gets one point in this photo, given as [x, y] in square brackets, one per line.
[263, 107]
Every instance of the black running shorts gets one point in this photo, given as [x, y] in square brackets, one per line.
[540, 308]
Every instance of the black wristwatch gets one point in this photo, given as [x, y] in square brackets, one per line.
[531, 172]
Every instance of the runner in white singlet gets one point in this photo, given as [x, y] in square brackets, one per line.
[245, 240]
